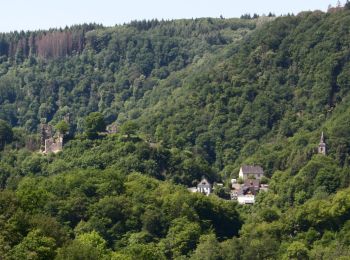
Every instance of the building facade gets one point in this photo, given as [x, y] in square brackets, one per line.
[251, 171]
[204, 187]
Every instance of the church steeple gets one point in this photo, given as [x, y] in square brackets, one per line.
[322, 145]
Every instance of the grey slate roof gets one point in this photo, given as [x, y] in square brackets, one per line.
[252, 183]
[250, 169]
[249, 187]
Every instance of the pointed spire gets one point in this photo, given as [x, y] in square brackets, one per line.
[322, 145]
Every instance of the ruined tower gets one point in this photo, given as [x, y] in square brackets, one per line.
[45, 133]
[50, 143]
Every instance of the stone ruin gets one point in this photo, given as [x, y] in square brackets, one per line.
[50, 143]
[112, 128]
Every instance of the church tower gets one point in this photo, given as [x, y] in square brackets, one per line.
[322, 146]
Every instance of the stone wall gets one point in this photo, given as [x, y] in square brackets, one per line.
[53, 145]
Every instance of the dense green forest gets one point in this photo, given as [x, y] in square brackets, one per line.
[191, 98]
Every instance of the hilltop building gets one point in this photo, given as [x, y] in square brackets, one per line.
[322, 146]
[251, 171]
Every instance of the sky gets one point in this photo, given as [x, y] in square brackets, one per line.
[44, 14]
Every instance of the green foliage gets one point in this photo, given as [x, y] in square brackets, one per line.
[264, 180]
[269, 215]
[194, 98]
[62, 127]
[31, 196]
[5, 172]
[6, 133]
[128, 128]
[95, 241]
[231, 249]
[77, 250]
[87, 68]
[207, 249]
[297, 250]
[94, 123]
[181, 238]
[34, 246]
[222, 192]
[143, 217]
[148, 251]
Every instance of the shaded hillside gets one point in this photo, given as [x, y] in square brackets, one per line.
[109, 70]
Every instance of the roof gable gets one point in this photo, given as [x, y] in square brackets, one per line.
[204, 182]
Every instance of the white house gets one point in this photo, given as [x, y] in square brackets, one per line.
[192, 189]
[247, 171]
[246, 199]
[204, 187]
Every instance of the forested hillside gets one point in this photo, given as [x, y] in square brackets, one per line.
[191, 98]
[78, 70]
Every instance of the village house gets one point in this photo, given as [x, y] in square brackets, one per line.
[246, 192]
[245, 199]
[251, 172]
[249, 189]
[204, 187]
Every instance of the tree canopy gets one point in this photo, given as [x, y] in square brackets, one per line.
[6, 133]
[94, 123]
[191, 98]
